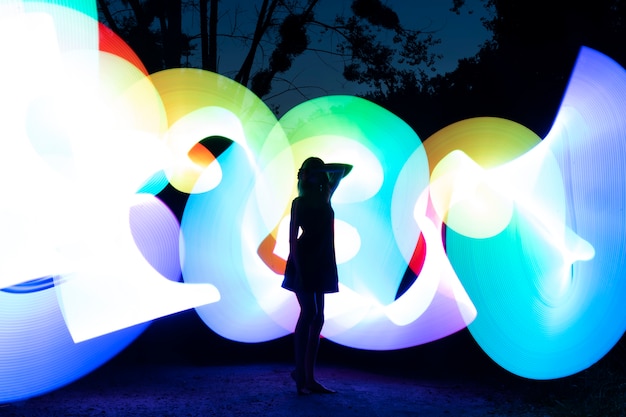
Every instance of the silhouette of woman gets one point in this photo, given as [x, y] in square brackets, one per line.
[311, 269]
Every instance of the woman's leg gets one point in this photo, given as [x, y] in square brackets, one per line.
[315, 329]
[308, 311]
[307, 339]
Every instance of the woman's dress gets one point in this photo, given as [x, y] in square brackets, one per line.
[315, 248]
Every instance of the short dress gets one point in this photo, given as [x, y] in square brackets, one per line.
[315, 248]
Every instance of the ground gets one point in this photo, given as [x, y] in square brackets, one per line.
[196, 373]
[263, 390]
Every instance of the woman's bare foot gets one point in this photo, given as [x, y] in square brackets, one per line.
[301, 388]
[318, 388]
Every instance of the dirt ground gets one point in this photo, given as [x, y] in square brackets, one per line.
[179, 368]
[263, 390]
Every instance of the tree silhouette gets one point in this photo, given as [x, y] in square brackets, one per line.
[153, 28]
[376, 49]
[522, 72]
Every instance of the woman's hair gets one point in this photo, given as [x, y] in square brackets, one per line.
[312, 178]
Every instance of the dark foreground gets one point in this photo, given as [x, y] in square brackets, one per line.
[179, 368]
[262, 390]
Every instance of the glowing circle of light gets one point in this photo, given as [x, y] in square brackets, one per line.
[549, 289]
[37, 353]
[204, 109]
[72, 273]
[377, 199]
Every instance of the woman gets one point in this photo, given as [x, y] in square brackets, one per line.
[311, 266]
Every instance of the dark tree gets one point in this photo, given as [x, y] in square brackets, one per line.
[152, 28]
[522, 73]
[376, 49]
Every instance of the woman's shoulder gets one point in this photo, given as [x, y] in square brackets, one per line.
[299, 201]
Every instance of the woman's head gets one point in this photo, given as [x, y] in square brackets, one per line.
[312, 177]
